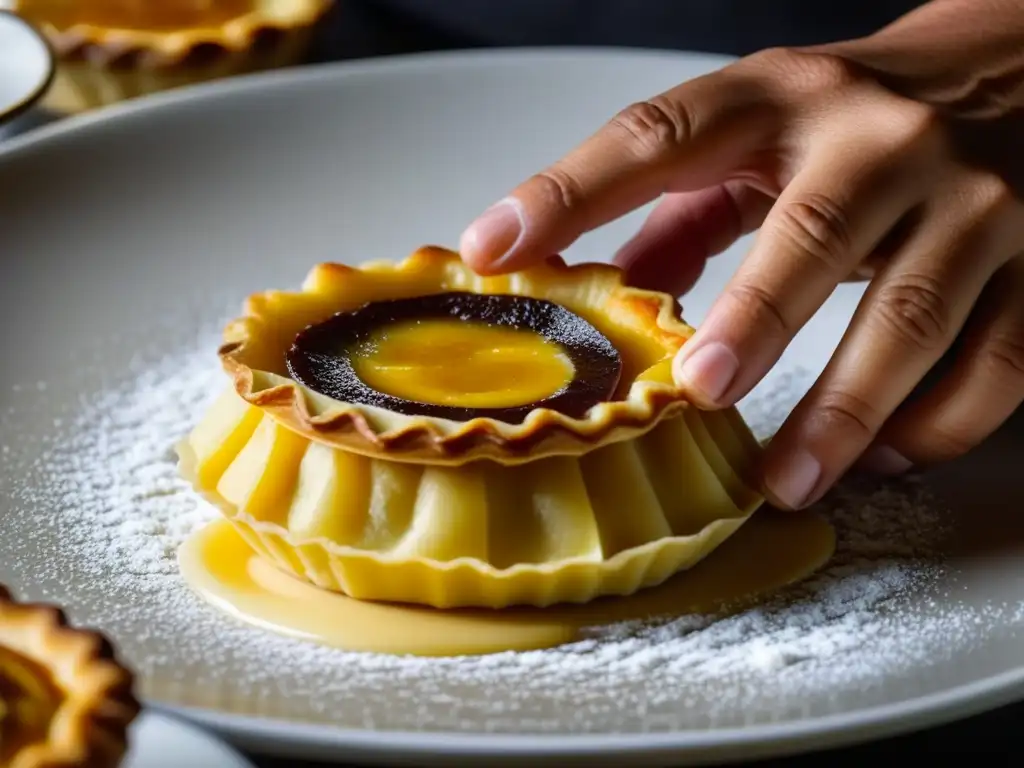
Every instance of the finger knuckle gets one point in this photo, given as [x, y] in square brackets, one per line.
[562, 187]
[989, 97]
[846, 413]
[809, 72]
[947, 442]
[999, 96]
[992, 193]
[656, 126]
[988, 217]
[914, 309]
[762, 308]
[816, 227]
[916, 127]
[1004, 355]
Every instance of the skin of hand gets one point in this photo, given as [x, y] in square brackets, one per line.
[896, 158]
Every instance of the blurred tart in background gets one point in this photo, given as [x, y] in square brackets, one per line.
[111, 50]
[64, 699]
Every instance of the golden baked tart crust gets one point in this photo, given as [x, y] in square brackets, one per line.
[562, 529]
[163, 33]
[644, 326]
[110, 50]
[65, 701]
[537, 510]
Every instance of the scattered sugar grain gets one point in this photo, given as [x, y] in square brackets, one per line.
[111, 512]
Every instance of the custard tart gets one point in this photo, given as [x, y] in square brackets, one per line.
[64, 699]
[111, 50]
[414, 432]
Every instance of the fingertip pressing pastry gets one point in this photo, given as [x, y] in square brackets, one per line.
[64, 699]
[111, 50]
[414, 432]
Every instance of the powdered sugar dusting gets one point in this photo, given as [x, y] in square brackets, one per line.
[108, 511]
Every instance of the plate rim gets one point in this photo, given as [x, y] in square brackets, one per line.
[381, 66]
[708, 746]
[281, 736]
[18, 108]
[151, 719]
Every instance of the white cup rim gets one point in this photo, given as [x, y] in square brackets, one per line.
[27, 82]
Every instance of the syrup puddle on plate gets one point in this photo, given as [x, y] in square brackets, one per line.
[772, 550]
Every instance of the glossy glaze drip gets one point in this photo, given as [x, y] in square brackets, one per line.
[771, 551]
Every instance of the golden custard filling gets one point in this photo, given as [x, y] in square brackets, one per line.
[473, 365]
[28, 701]
[149, 15]
[458, 356]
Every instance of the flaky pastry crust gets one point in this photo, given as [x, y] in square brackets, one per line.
[645, 326]
[129, 48]
[481, 535]
[89, 727]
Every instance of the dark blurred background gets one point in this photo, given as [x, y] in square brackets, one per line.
[738, 27]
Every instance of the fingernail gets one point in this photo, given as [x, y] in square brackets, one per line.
[493, 237]
[709, 369]
[794, 481]
[884, 460]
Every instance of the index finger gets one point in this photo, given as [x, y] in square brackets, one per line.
[686, 138]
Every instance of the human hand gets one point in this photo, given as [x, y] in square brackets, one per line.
[854, 162]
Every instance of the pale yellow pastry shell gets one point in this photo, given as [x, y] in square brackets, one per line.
[644, 326]
[98, 66]
[557, 530]
[89, 729]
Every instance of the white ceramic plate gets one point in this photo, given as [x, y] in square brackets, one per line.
[158, 741]
[125, 231]
[26, 65]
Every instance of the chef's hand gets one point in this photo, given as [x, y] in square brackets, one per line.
[895, 158]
